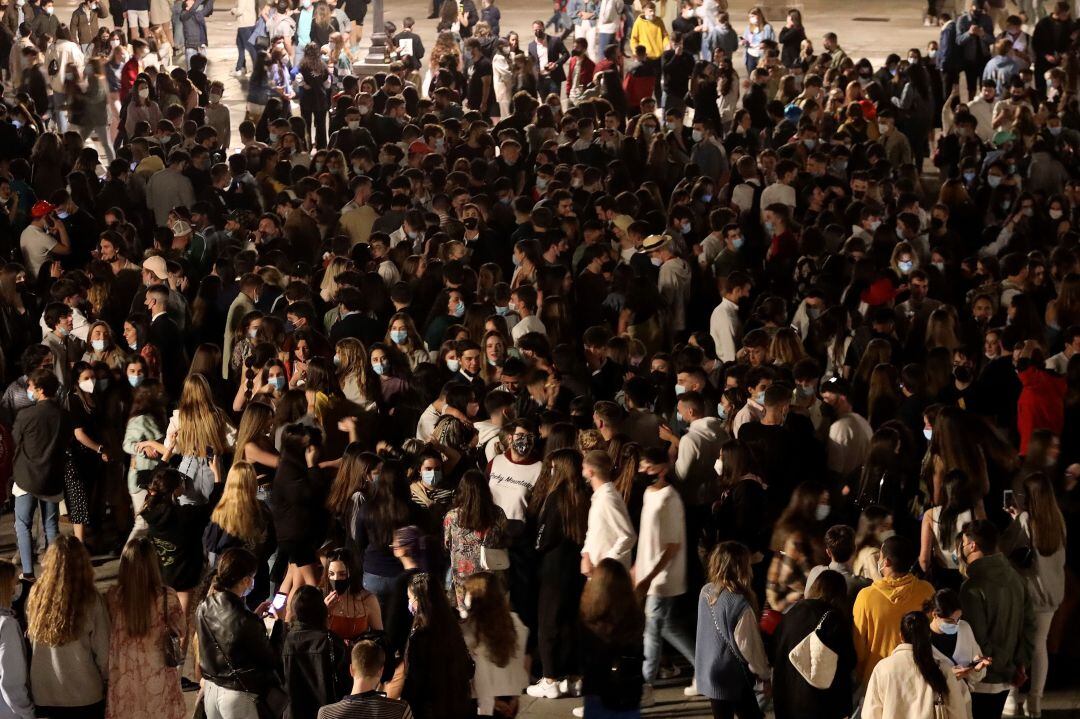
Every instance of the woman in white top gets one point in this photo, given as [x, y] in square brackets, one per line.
[496, 640]
[1035, 540]
[911, 681]
[954, 640]
[938, 547]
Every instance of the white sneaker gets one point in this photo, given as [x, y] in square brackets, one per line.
[570, 688]
[544, 689]
[578, 711]
[668, 672]
[647, 698]
[691, 691]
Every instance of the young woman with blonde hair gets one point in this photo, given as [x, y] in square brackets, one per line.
[241, 520]
[68, 628]
[351, 487]
[143, 612]
[198, 431]
[254, 440]
[357, 380]
[101, 347]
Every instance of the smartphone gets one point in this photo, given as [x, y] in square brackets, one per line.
[279, 602]
[1008, 499]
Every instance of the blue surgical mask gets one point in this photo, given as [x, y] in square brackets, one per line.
[928, 433]
[760, 398]
[656, 261]
[379, 367]
[969, 176]
[135, 379]
[706, 198]
[738, 242]
[31, 396]
[62, 214]
[721, 413]
[337, 360]
[453, 365]
[277, 382]
[501, 311]
[948, 628]
[459, 309]
[430, 476]
[993, 180]
[769, 229]
[398, 336]
[906, 266]
[98, 345]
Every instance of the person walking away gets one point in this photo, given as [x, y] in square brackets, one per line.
[1002, 617]
[41, 435]
[912, 681]
[1035, 540]
[880, 607]
[144, 613]
[68, 628]
[366, 662]
[827, 612]
[610, 533]
[611, 645]
[496, 638]
[729, 655]
[660, 568]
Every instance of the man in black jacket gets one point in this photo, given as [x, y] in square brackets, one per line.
[354, 322]
[548, 54]
[41, 435]
[165, 335]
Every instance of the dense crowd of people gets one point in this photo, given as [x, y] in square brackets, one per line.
[561, 366]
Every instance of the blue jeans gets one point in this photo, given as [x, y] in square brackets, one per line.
[594, 709]
[242, 35]
[25, 507]
[58, 103]
[660, 625]
[603, 39]
[751, 63]
[382, 588]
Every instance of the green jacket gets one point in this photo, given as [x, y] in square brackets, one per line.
[997, 606]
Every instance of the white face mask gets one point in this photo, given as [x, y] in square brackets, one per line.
[144, 93]
[49, 10]
[86, 385]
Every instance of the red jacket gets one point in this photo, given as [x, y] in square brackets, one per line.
[128, 73]
[1041, 404]
[588, 67]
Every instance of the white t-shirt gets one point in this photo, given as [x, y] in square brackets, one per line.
[36, 244]
[528, 324]
[511, 484]
[662, 523]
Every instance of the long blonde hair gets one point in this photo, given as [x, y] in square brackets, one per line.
[139, 584]
[1044, 514]
[62, 595]
[238, 510]
[354, 359]
[201, 422]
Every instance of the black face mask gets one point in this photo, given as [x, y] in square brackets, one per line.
[341, 586]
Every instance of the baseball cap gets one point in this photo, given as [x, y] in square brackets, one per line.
[156, 266]
[836, 385]
[41, 208]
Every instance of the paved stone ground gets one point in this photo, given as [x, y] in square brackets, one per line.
[870, 28]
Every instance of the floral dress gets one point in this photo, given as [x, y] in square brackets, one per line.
[463, 546]
[140, 685]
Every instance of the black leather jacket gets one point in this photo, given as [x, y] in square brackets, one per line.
[234, 651]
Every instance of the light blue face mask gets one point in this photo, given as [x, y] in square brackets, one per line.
[277, 382]
[430, 476]
[760, 398]
[721, 413]
[62, 214]
[379, 367]
[337, 360]
[31, 396]
[738, 242]
[769, 229]
[459, 309]
[706, 198]
[948, 628]
[135, 380]
[516, 260]
[501, 311]
[993, 180]
[398, 336]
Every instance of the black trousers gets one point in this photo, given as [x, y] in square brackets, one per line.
[988, 706]
[744, 708]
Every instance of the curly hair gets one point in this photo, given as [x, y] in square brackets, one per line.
[62, 595]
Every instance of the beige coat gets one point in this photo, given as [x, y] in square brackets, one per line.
[898, 691]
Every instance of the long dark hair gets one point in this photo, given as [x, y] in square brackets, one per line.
[389, 506]
[476, 508]
[915, 630]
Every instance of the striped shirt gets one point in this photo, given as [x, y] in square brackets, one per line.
[369, 705]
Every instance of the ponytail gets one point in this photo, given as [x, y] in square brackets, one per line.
[915, 630]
